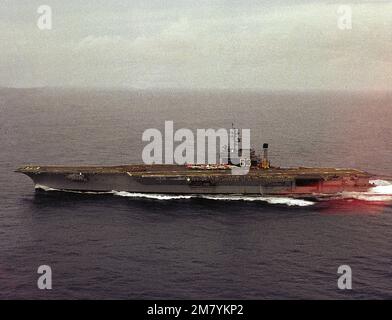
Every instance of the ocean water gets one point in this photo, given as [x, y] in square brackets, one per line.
[136, 246]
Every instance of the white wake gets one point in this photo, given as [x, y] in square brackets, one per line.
[271, 200]
[382, 191]
[45, 188]
[149, 196]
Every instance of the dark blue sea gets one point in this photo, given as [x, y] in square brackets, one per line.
[126, 247]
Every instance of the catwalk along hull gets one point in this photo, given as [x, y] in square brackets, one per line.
[176, 179]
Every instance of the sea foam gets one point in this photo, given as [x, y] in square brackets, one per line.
[271, 200]
[382, 191]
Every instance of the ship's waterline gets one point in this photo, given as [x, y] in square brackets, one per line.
[175, 179]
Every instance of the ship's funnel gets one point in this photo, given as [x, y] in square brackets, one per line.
[265, 164]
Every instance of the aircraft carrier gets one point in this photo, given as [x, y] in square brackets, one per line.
[262, 179]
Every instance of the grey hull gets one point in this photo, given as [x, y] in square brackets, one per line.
[125, 181]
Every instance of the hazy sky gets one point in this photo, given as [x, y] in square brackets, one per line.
[196, 44]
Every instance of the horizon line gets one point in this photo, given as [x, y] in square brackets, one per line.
[198, 89]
